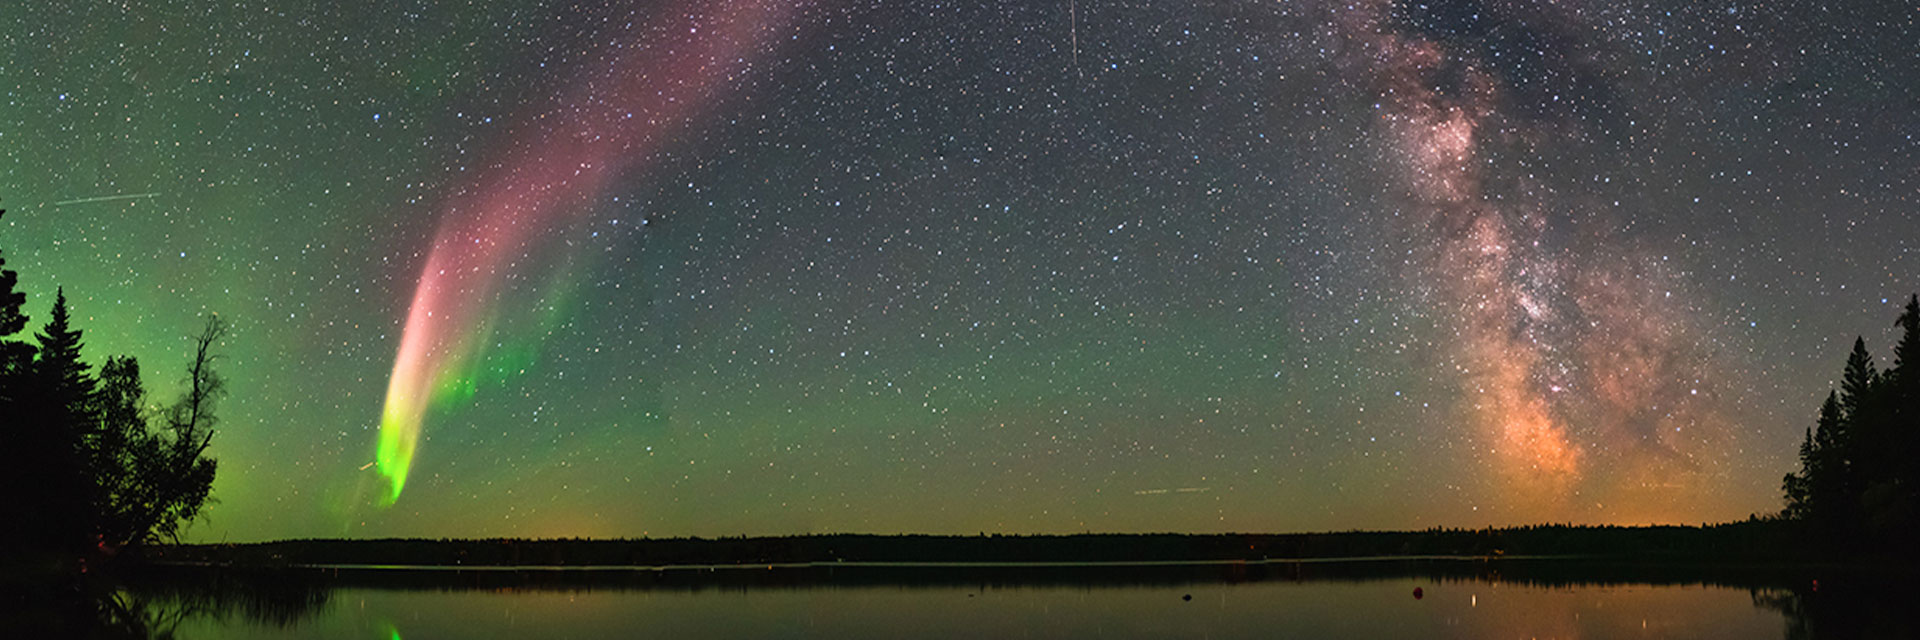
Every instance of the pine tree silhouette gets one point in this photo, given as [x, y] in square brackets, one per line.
[16, 363]
[57, 432]
[1831, 477]
[84, 463]
[1857, 485]
[1856, 384]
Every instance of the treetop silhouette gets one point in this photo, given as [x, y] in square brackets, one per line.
[92, 462]
[1857, 485]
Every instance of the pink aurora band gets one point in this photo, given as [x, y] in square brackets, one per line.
[622, 113]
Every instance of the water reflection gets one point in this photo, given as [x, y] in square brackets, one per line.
[1849, 607]
[1352, 599]
[158, 603]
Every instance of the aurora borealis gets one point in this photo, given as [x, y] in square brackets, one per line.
[628, 109]
[754, 267]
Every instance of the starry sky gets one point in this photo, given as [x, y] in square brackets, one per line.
[723, 267]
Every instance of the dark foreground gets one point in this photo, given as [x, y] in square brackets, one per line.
[1737, 580]
[1375, 597]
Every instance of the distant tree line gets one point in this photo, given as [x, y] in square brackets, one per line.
[1737, 541]
[88, 463]
[1858, 487]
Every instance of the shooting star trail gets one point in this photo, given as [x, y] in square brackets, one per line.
[124, 196]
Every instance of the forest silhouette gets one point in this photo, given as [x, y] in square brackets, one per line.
[87, 458]
[1858, 487]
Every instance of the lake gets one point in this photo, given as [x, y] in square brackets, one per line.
[1409, 598]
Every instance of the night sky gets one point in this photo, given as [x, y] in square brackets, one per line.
[722, 267]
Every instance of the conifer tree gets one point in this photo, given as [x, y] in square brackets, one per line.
[1795, 486]
[1900, 514]
[1831, 478]
[1857, 383]
[16, 361]
[1903, 390]
[84, 461]
[1867, 453]
[13, 317]
[57, 429]
[16, 357]
[1858, 484]
[1906, 354]
[58, 365]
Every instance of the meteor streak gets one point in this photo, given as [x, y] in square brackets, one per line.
[126, 196]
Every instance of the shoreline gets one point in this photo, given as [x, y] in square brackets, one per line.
[874, 565]
[1753, 541]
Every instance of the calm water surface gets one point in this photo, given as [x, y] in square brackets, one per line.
[1204, 602]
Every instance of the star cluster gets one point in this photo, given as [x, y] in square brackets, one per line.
[960, 267]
